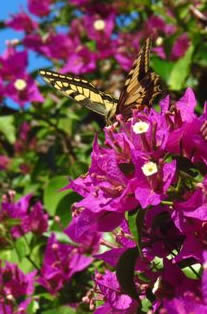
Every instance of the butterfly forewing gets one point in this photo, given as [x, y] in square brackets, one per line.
[81, 91]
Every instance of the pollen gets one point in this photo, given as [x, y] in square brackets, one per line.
[20, 84]
[99, 25]
[149, 168]
[140, 127]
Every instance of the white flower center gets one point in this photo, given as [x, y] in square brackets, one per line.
[149, 168]
[99, 25]
[159, 41]
[140, 127]
[20, 84]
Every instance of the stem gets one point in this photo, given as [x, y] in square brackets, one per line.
[166, 203]
[108, 244]
[32, 262]
[28, 255]
[65, 137]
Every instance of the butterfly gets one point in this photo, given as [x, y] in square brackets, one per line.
[140, 88]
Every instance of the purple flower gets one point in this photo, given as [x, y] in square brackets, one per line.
[33, 42]
[80, 62]
[61, 261]
[31, 219]
[15, 285]
[79, 2]
[122, 54]
[185, 123]
[84, 233]
[184, 305]
[24, 141]
[22, 22]
[180, 46]
[4, 162]
[59, 46]
[156, 24]
[123, 175]
[115, 300]
[23, 90]
[13, 63]
[98, 28]
[39, 8]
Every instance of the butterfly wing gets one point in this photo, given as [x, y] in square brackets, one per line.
[141, 85]
[81, 91]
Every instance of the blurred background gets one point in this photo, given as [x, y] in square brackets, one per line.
[44, 135]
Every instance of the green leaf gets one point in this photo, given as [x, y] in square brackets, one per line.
[181, 70]
[7, 128]
[61, 309]
[53, 195]
[21, 248]
[64, 205]
[136, 221]
[61, 237]
[193, 272]
[125, 272]
[162, 67]
[33, 307]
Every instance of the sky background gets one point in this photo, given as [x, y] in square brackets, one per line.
[9, 7]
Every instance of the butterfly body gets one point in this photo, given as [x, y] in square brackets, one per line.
[140, 89]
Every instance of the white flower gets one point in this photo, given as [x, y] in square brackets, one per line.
[20, 84]
[149, 168]
[99, 25]
[140, 127]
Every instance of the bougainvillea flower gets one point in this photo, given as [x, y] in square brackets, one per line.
[98, 28]
[80, 62]
[180, 46]
[115, 300]
[23, 90]
[31, 218]
[61, 261]
[122, 54]
[156, 24]
[13, 63]
[15, 285]
[4, 162]
[185, 123]
[59, 46]
[33, 42]
[83, 233]
[123, 175]
[39, 8]
[24, 141]
[22, 22]
[79, 2]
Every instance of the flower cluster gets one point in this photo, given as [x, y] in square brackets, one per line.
[61, 261]
[155, 165]
[15, 285]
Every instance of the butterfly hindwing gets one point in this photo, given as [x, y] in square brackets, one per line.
[81, 91]
[141, 85]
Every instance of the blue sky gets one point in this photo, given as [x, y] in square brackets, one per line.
[9, 7]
